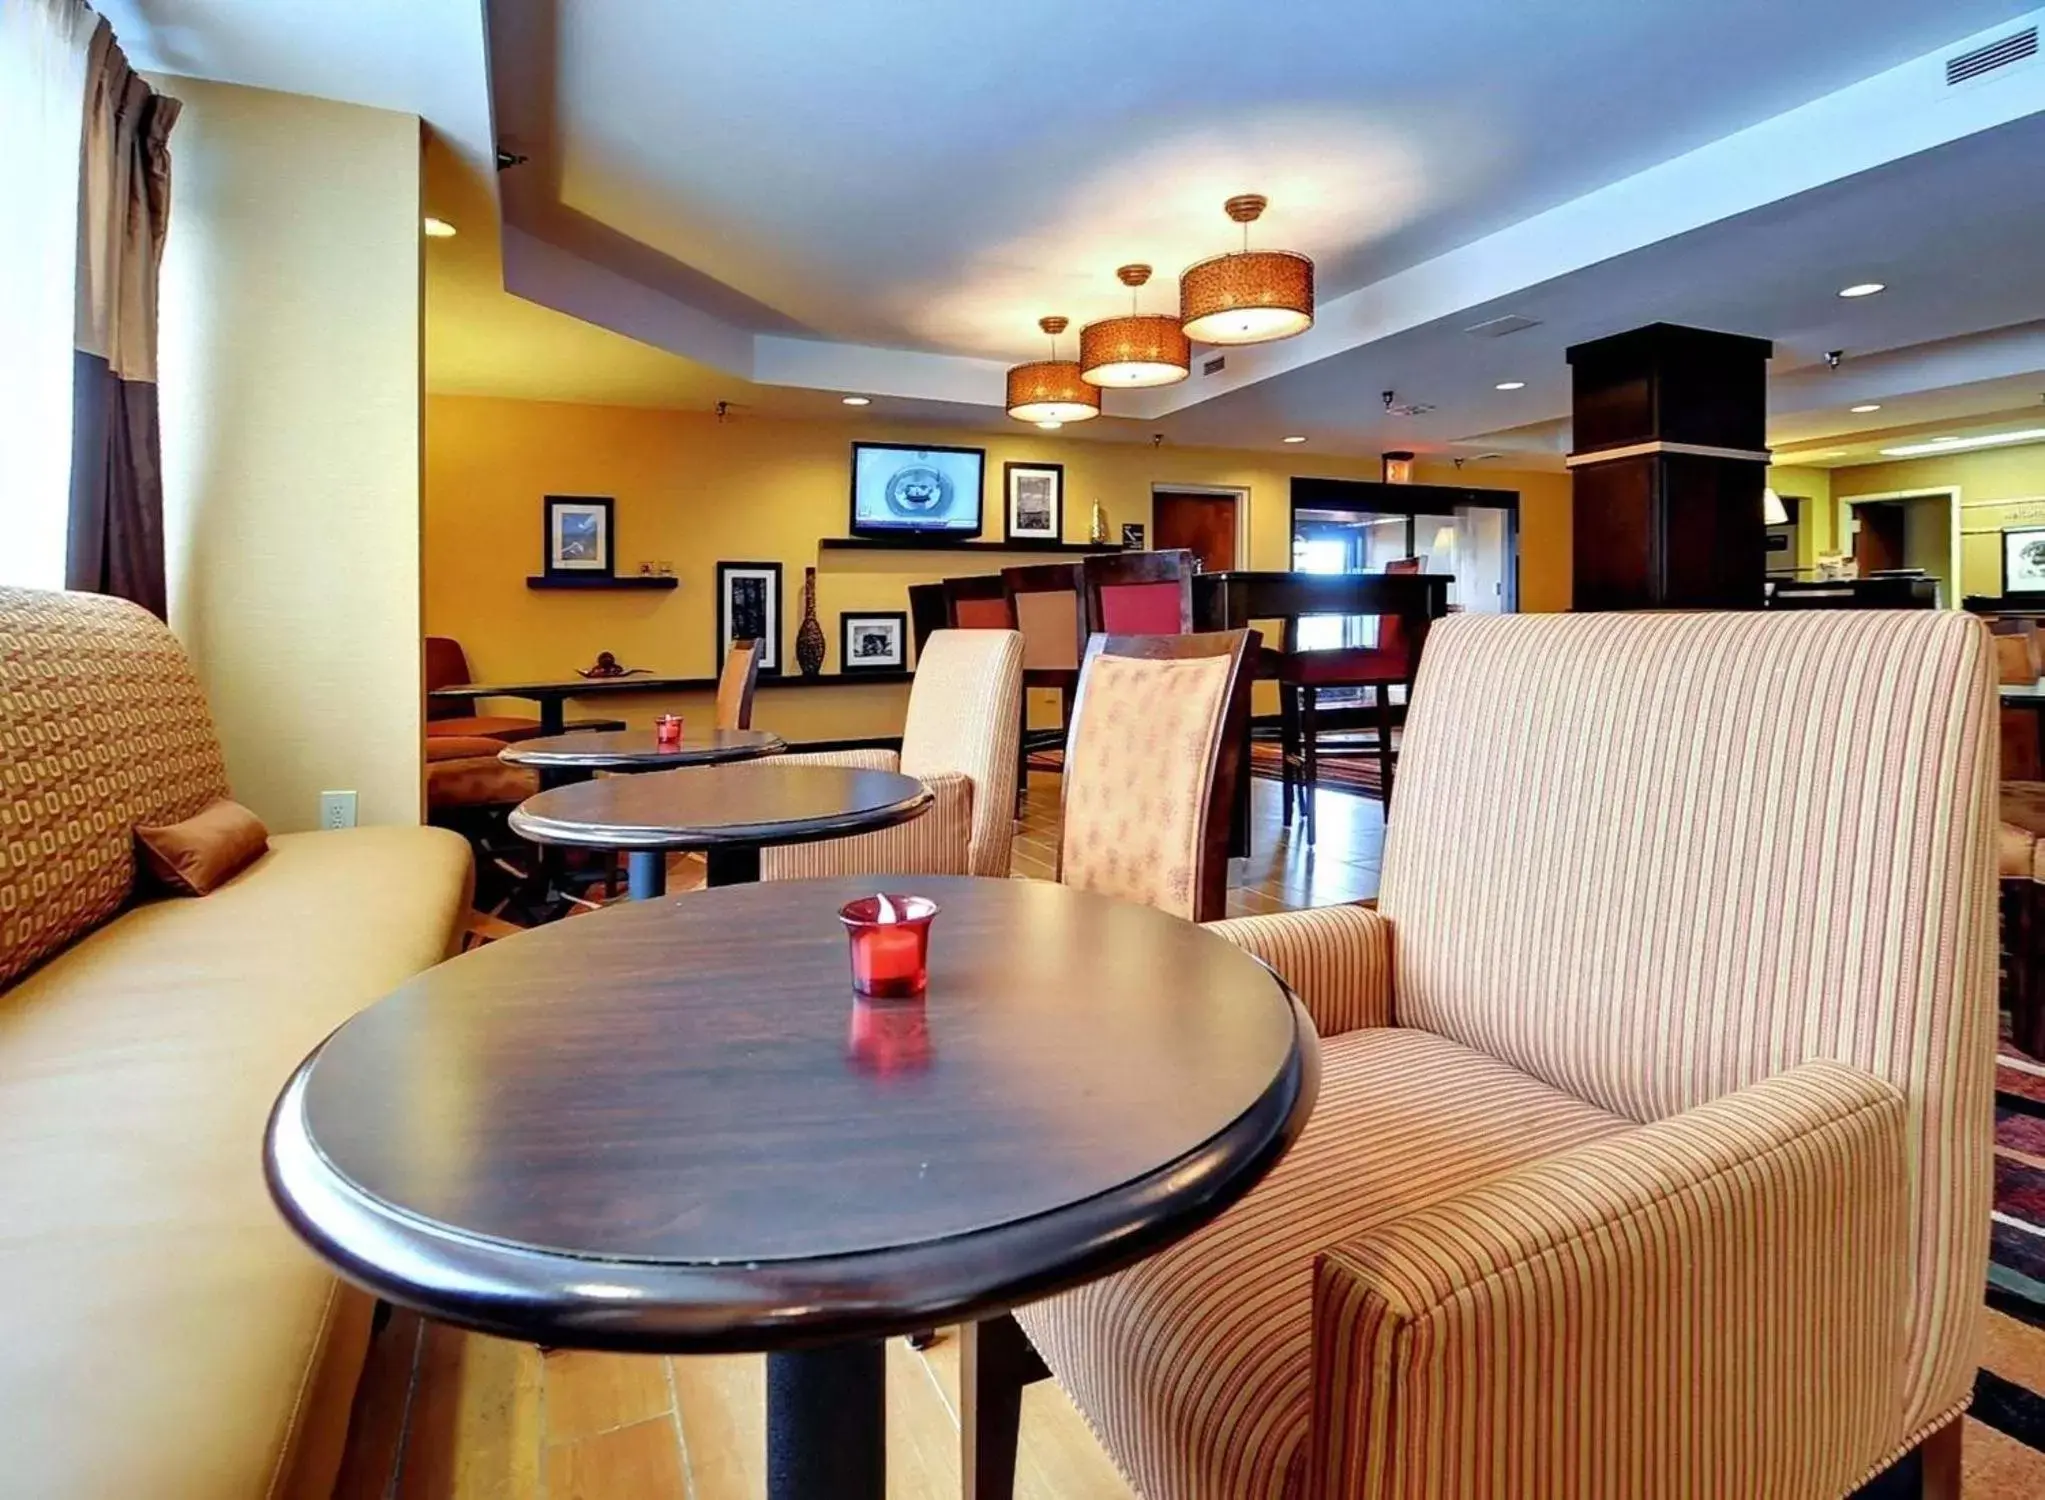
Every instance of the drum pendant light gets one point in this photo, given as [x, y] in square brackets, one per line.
[1247, 296]
[1051, 390]
[1139, 350]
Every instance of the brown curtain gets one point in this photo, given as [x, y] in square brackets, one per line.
[116, 530]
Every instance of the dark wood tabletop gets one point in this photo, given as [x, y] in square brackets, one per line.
[572, 687]
[637, 749]
[701, 807]
[653, 1127]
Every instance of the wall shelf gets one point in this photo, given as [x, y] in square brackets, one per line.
[927, 544]
[601, 581]
[832, 679]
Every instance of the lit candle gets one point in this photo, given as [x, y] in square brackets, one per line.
[890, 944]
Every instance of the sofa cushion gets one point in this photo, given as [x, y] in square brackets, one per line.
[103, 726]
[162, 1323]
[1196, 1365]
[195, 854]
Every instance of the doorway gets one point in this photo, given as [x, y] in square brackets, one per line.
[1205, 522]
[1914, 531]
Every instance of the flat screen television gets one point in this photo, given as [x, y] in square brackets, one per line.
[899, 490]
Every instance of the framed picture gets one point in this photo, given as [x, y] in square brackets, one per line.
[749, 608]
[579, 535]
[873, 641]
[1132, 536]
[1036, 501]
[2023, 560]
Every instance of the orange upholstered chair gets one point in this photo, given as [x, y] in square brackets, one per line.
[1625, 1177]
[447, 665]
[977, 602]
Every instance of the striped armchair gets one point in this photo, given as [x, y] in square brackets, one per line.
[959, 739]
[1652, 1155]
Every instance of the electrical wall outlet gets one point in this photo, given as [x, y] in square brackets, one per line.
[337, 809]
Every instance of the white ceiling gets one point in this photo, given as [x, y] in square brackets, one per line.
[937, 176]
[883, 197]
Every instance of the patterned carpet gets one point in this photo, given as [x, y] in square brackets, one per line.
[2007, 1421]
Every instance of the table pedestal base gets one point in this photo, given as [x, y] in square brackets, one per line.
[732, 865]
[646, 874]
[827, 1423]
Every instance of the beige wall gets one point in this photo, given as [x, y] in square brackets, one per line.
[1999, 487]
[689, 491]
[291, 414]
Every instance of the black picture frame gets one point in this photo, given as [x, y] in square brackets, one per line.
[1132, 536]
[732, 603]
[934, 538]
[1010, 472]
[853, 619]
[2019, 536]
[605, 565]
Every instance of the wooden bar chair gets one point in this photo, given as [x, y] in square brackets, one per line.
[1140, 593]
[927, 613]
[977, 602]
[1048, 604]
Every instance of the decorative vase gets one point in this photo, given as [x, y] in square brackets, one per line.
[809, 636]
[1099, 534]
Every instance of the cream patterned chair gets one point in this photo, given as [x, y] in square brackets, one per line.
[959, 739]
[1652, 1153]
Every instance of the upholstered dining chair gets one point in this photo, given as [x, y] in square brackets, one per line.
[735, 685]
[447, 665]
[977, 601]
[1140, 593]
[1652, 1148]
[1151, 763]
[959, 738]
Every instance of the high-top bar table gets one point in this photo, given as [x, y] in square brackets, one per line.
[729, 812]
[693, 1140]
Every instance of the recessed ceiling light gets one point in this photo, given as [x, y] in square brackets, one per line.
[1050, 424]
[438, 229]
[1512, 385]
[857, 400]
[1957, 444]
[1295, 439]
[1863, 289]
[1865, 407]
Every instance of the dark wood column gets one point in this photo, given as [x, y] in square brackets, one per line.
[1669, 465]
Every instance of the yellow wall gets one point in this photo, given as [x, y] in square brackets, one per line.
[691, 491]
[1998, 487]
[1816, 527]
[291, 407]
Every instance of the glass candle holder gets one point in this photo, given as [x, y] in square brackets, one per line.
[667, 731]
[890, 938]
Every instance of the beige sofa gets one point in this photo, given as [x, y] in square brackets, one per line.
[161, 1332]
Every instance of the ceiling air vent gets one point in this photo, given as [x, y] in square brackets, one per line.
[2015, 47]
[1215, 365]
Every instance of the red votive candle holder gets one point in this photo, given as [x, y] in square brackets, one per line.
[890, 944]
[667, 731]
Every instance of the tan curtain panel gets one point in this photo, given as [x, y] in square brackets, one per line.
[116, 525]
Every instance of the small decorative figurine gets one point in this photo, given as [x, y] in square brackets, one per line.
[607, 666]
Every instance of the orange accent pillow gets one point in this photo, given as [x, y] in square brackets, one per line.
[195, 856]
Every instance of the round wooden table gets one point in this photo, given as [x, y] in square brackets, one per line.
[668, 1128]
[731, 813]
[638, 750]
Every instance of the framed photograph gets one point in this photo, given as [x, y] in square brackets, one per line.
[873, 641]
[749, 608]
[1036, 501]
[580, 538]
[932, 492]
[2023, 560]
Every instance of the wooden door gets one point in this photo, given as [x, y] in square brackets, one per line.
[1204, 525]
[1878, 543]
